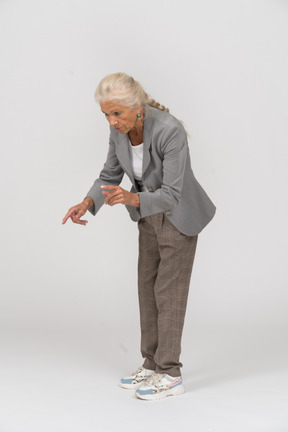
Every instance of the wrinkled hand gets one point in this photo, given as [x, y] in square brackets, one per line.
[117, 195]
[76, 212]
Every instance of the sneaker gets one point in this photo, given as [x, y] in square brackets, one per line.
[159, 386]
[137, 378]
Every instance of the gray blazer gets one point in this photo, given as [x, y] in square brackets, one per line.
[167, 174]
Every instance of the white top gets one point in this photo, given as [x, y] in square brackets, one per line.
[136, 154]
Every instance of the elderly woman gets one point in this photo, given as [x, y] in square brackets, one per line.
[171, 208]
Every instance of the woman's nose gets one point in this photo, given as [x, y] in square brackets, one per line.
[113, 121]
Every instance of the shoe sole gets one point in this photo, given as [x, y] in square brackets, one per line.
[177, 391]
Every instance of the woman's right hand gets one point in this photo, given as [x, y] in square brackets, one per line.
[77, 211]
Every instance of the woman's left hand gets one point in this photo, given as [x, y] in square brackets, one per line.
[117, 195]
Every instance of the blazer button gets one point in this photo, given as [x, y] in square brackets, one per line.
[150, 189]
[168, 213]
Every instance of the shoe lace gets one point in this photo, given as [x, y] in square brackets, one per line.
[154, 379]
[138, 370]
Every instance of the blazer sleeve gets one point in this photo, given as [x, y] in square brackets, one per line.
[174, 148]
[111, 174]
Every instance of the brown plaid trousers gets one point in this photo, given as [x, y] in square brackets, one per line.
[164, 270]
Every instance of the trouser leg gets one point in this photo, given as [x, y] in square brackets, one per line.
[148, 263]
[171, 288]
[167, 281]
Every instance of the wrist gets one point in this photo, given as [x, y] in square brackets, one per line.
[88, 202]
[136, 200]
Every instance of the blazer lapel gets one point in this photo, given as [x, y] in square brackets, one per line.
[147, 133]
[123, 154]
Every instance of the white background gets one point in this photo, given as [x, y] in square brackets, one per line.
[70, 292]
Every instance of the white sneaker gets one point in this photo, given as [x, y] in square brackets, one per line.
[137, 378]
[159, 386]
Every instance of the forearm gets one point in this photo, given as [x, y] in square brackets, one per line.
[157, 202]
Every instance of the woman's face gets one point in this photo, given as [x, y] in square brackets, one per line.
[121, 118]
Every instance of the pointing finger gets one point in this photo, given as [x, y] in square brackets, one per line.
[67, 216]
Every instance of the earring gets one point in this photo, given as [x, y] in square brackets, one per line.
[138, 116]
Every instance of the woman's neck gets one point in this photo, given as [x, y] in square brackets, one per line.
[136, 136]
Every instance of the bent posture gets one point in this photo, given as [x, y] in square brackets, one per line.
[171, 209]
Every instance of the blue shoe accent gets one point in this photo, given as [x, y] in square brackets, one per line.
[144, 392]
[126, 381]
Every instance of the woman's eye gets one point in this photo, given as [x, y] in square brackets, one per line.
[116, 114]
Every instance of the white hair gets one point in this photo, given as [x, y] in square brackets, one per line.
[122, 89]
